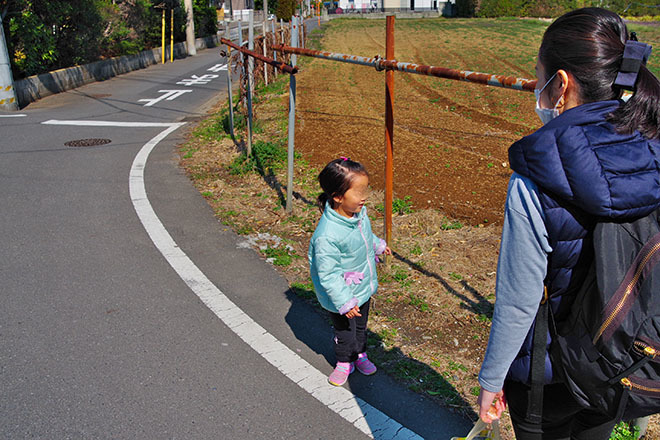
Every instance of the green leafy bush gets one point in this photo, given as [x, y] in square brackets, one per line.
[623, 431]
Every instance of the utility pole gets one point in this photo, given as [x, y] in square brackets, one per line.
[190, 28]
[265, 10]
[7, 93]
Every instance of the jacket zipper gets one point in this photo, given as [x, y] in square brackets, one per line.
[626, 382]
[371, 273]
[645, 349]
[627, 292]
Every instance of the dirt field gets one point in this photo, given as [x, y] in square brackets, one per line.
[431, 316]
[451, 138]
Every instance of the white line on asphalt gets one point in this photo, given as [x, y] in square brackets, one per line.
[356, 411]
[108, 123]
[13, 116]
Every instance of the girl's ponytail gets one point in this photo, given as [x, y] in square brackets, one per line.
[642, 111]
[321, 201]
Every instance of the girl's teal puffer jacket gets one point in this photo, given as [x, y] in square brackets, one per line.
[342, 260]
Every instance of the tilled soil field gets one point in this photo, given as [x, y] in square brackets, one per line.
[450, 138]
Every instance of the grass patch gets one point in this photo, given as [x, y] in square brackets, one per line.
[419, 303]
[266, 157]
[399, 206]
[450, 224]
[281, 255]
[303, 290]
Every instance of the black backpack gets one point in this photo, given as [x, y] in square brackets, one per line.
[605, 350]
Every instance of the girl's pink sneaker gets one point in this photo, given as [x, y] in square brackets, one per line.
[340, 375]
[364, 365]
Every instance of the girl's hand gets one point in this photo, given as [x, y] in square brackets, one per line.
[491, 405]
[387, 251]
[354, 312]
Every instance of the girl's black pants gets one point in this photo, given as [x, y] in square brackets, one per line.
[350, 334]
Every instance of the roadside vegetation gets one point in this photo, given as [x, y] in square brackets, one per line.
[431, 316]
[46, 35]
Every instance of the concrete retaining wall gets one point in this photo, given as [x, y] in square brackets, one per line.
[35, 87]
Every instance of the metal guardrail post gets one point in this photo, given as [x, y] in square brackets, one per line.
[229, 91]
[272, 27]
[250, 80]
[292, 120]
[263, 30]
[389, 131]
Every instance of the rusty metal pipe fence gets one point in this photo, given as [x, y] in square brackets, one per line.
[509, 82]
[277, 64]
[389, 65]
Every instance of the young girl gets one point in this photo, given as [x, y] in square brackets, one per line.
[342, 260]
[594, 159]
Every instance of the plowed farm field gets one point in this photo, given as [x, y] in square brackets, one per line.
[450, 137]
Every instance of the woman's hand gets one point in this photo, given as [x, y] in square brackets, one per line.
[491, 405]
[354, 312]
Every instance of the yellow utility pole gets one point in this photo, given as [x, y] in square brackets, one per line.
[171, 35]
[162, 43]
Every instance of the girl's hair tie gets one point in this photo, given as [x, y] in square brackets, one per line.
[343, 158]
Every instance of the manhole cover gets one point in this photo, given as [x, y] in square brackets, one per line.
[87, 142]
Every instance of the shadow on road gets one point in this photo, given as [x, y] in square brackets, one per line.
[400, 388]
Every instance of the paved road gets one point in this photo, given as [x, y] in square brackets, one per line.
[128, 311]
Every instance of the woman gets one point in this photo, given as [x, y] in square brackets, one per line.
[596, 157]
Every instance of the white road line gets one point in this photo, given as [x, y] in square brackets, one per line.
[363, 416]
[13, 116]
[108, 123]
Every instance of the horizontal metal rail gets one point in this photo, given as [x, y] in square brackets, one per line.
[277, 64]
[509, 82]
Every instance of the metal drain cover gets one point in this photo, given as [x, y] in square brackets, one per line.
[87, 142]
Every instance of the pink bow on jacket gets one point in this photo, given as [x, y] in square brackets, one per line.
[353, 277]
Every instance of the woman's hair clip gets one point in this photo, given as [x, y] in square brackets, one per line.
[344, 158]
[634, 56]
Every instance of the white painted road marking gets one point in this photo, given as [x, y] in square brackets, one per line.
[218, 68]
[169, 95]
[204, 79]
[20, 115]
[108, 123]
[363, 416]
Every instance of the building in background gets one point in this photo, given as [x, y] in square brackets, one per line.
[444, 7]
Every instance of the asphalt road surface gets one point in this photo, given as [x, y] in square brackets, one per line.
[128, 311]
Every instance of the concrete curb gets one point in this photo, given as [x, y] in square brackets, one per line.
[35, 87]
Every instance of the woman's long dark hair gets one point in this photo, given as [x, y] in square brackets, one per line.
[336, 178]
[589, 44]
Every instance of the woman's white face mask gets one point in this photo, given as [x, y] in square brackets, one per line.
[545, 114]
